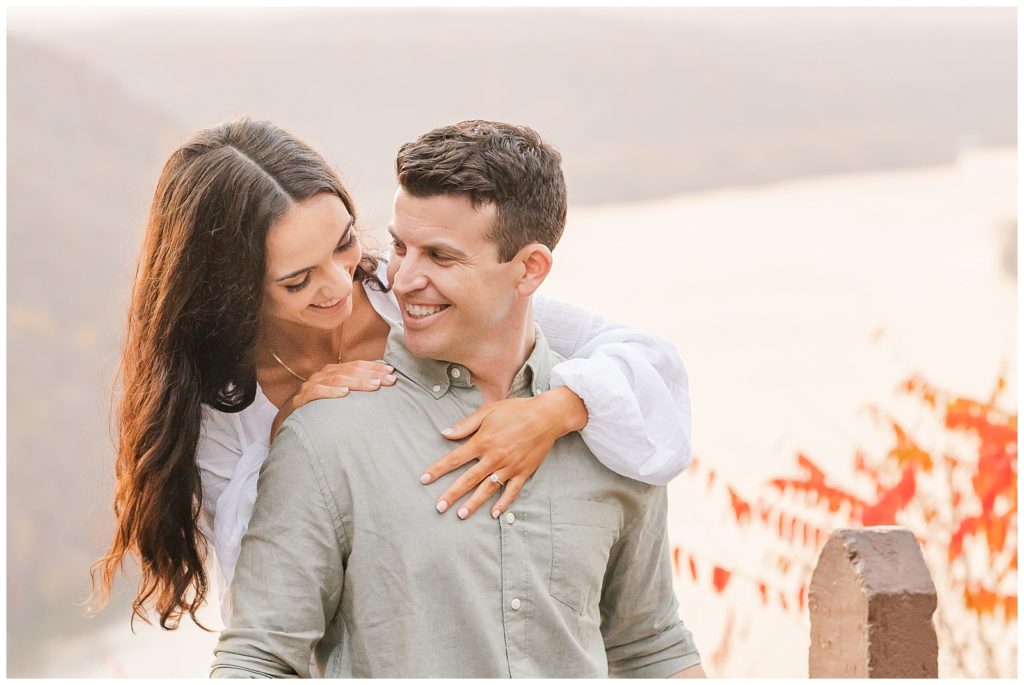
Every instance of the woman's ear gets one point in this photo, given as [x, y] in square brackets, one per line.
[535, 259]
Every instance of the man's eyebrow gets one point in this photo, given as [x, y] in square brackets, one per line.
[444, 247]
[348, 228]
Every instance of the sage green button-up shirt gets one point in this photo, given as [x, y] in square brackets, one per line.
[345, 556]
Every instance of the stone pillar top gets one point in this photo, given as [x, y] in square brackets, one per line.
[887, 559]
[871, 602]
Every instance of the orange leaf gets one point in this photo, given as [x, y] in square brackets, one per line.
[995, 533]
[800, 597]
[720, 578]
[740, 508]
[883, 512]
[906, 452]
[764, 593]
[968, 526]
[1010, 607]
[782, 600]
[693, 568]
[675, 558]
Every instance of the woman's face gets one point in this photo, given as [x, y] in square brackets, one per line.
[312, 254]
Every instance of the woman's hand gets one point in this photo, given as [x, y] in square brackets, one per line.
[336, 380]
[511, 438]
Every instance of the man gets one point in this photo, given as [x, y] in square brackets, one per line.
[574, 580]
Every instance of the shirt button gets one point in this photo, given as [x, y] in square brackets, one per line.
[456, 373]
[510, 518]
[437, 388]
[516, 604]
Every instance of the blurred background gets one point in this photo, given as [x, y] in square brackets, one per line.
[817, 206]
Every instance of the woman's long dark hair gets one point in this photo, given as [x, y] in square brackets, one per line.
[193, 321]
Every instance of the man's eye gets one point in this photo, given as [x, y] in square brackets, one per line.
[440, 258]
[398, 247]
[299, 286]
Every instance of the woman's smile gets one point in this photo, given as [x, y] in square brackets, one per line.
[330, 306]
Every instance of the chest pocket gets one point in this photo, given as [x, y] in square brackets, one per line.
[582, 535]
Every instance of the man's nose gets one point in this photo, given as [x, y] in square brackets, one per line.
[409, 277]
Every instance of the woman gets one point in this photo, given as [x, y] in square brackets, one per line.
[222, 345]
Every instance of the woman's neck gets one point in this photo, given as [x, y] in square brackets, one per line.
[360, 334]
[299, 344]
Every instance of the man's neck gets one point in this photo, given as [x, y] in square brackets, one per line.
[496, 365]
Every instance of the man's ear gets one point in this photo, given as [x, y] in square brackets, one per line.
[535, 260]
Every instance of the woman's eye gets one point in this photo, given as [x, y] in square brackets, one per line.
[299, 286]
[347, 244]
[399, 248]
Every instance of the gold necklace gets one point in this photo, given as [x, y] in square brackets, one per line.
[292, 372]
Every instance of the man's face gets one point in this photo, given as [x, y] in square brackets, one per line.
[456, 298]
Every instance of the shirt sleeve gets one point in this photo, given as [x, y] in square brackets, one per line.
[289, 575]
[217, 453]
[634, 386]
[643, 635]
[228, 472]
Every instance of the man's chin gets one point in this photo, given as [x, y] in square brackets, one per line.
[422, 345]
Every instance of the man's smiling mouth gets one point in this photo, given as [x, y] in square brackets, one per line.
[419, 311]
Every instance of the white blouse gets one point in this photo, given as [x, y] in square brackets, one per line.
[633, 384]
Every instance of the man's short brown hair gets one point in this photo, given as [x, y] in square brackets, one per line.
[489, 161]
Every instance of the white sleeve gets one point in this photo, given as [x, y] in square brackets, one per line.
[229, 456]
[634, 386]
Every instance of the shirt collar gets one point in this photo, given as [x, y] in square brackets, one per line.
[437, 377]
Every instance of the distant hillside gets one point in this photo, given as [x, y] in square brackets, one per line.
[82, 159]
[642, 103]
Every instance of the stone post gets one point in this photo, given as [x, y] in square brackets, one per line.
[871, 601]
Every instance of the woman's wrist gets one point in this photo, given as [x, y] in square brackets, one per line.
[568, 408]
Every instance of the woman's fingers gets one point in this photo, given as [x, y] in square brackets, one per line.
[512, 488]
[358, 368]
[354, 382]
[468, 425]
[449, 462]
[483, 492]
[461, 486]
[319, 392]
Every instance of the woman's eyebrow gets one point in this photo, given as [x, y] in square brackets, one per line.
[293, 274]
[348, 227]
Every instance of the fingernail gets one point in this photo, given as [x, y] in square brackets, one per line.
[495, 513]
[441, 506]
[390, 378]
[463, 512]
[425, 478]
[447, 431]
[390, 368]
[375, 383]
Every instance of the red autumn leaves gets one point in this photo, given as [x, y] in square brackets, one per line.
[949, 516]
